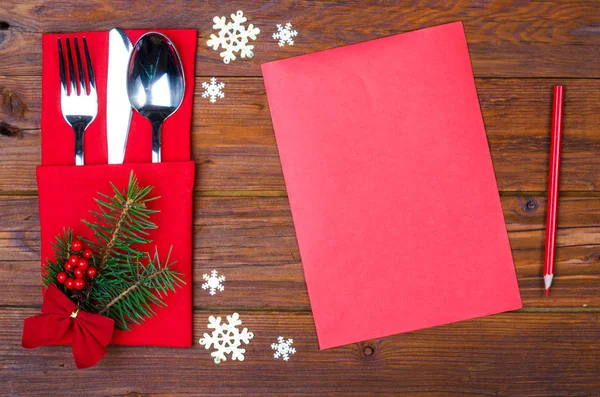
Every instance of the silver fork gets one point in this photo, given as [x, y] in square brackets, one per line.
[79, 108]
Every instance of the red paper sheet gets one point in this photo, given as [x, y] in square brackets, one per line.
[391, 185]
[67, 192]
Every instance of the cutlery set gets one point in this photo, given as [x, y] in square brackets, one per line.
[147, 77]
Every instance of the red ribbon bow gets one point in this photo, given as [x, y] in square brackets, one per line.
[60, 317]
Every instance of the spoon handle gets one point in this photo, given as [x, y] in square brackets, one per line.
[156, 129]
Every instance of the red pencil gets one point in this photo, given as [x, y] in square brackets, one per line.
[553, 178]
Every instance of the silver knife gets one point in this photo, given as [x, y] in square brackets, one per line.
[118, 108]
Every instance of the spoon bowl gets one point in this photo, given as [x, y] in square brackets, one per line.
[155, 83]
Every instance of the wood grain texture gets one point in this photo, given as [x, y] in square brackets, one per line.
[251, 240]
[502, 355]
[243, 225]
[516, 39]
[234, 145]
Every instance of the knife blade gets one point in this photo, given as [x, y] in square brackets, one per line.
[118, 108]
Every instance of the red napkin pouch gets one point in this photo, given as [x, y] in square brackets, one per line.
[67, 192]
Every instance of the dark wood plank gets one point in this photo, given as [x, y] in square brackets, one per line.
[234, 145]
[252, 241]
[534, 354]
[523, 39]
[518, 51]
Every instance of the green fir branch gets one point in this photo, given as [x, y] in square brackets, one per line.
[130, 283]
[141, 288]
[122, 222]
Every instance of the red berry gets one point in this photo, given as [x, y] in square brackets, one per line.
[76, 245]
[79, 283]
[83, 263]
[61, 277]
[91, 272]
[69, 266]
[87, 253]
[70, 283]
[79, 272]
[74, 259]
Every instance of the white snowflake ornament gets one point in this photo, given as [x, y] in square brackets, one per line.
[214, 282]
[213, 90]
[285, 34]
[283, 348]
[226, 338]
[233, 37]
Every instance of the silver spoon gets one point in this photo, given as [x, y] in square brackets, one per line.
[155, 82]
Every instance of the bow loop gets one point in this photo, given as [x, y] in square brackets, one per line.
[61, 318]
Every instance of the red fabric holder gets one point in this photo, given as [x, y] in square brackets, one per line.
[67, 192]
[58, 139]
[91, 333]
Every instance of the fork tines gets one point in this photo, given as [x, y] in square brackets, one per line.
[71, 77]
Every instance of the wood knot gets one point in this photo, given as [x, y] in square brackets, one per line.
[530, 205]
[368, 350]
[12, 103]
[39, 10]
[10, 131]
[4, 25]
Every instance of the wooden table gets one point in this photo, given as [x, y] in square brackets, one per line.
[243, 226]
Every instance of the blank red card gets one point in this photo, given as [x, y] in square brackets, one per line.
[391, 185]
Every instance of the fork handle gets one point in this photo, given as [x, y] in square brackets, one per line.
[79, 130]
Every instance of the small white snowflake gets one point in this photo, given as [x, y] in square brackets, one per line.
[233, 37]
[213, 90]
[226, 338]
[213, 282]
[284, 34]
[283, 348]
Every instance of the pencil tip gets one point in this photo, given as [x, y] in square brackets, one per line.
[547, 292]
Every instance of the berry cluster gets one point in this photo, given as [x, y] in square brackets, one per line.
[77, 267]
